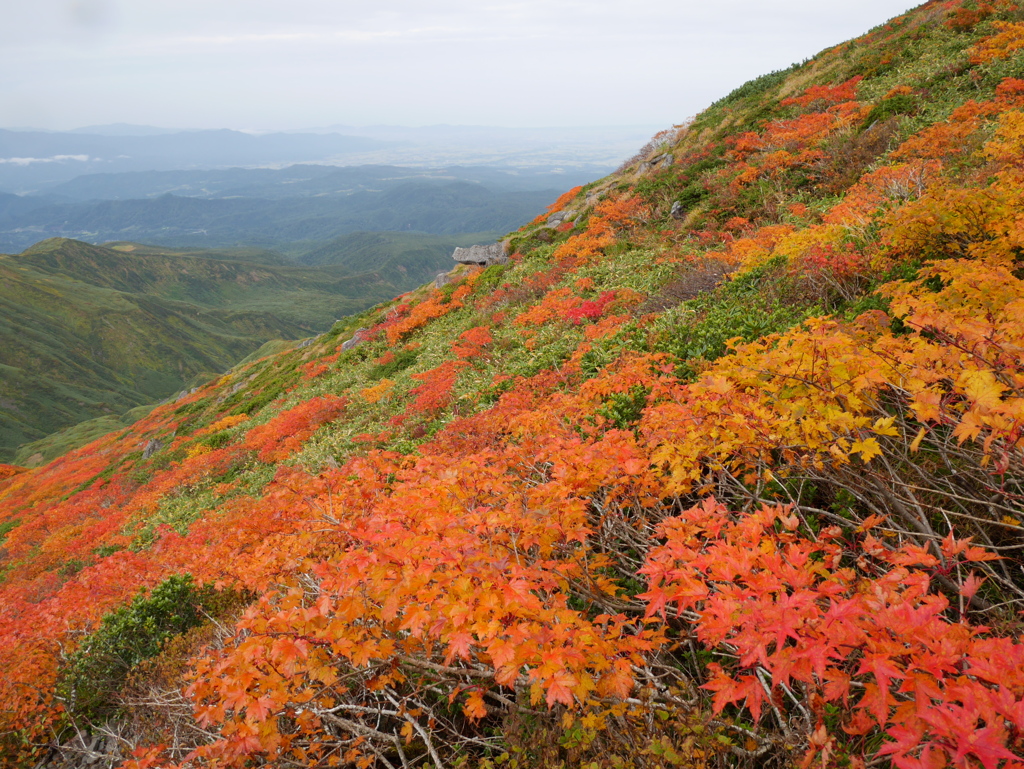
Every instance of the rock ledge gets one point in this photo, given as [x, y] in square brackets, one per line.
[484, 256]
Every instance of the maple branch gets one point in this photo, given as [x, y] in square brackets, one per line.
[422, 732]
[357, 709]
[359, 729]
[761, 675]
[765, 742]
[433, 666]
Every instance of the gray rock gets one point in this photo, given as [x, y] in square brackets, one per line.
[442, 279]
[658, 161]
[185, 393]
[484, 256]
[151, 448]
[357, 337]
[677, 212]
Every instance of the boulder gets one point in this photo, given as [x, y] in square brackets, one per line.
[557, 218]
[357, 337]
[659, 161]
[442, 279]
[484, 256]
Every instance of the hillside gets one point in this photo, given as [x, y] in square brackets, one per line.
[722, 468]
[90, 332]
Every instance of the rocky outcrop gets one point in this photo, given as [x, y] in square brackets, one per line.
[658, 161]
[357, 337]
[560, 217]
[185, 393]
[484, 256]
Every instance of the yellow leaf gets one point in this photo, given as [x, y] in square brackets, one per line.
[916, 443]
[884, 427]
[867, 448]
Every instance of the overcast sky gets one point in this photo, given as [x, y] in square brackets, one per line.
[287, 64]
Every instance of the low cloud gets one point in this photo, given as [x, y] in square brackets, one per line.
[51, 159]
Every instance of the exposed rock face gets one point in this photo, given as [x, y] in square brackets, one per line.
[561, 216]
[442, 279]
[151, 448]
[484, 256]
[658, 161]
[677, 212]
[357, 337]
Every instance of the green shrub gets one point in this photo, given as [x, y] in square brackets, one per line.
[901, 104]
[624, 410]
[5, 528]
[217, 440]
[402, 360]
[691, 195]
[750, 306]
[758, 85]
[257, 402]
[92, 676]
[490, 279]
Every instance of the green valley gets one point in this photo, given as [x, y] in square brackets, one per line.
[93, 331]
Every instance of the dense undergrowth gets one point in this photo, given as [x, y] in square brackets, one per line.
[722, 469]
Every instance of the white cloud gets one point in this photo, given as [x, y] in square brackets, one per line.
[52, 159]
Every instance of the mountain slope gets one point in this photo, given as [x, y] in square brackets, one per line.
[723, 468]
[88, 331]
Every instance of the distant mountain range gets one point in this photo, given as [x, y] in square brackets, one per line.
[35, 161]
[308, 180]
[276, 208]
[31, 161]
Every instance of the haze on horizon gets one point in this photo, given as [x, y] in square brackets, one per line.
[268, 65]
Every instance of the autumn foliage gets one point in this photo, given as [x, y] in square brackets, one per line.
[515, 526]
